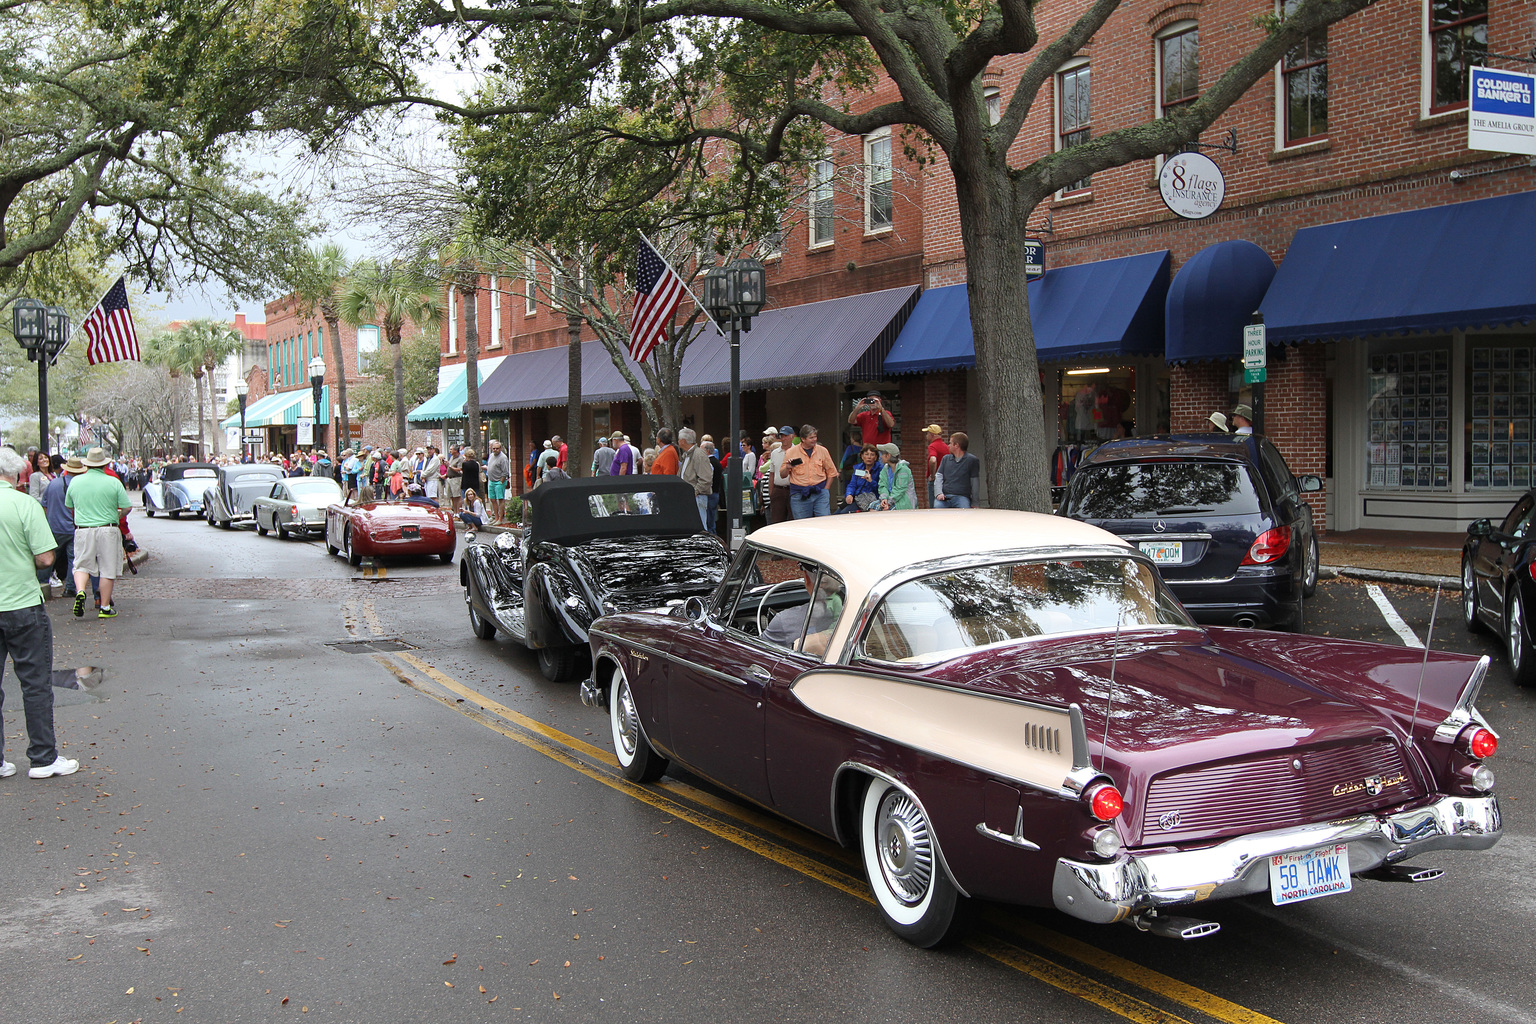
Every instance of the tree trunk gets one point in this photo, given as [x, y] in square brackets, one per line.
[399, 360]
[1011, 417]
[197, 417]
[343, 438]
[214, 447]
[573, 395]
[471, 364]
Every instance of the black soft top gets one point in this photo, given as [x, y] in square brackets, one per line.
[176, 470]
[563, 510]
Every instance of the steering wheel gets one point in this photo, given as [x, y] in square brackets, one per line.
[764, 600]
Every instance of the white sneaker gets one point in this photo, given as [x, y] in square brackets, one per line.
[61, 766]
[7, 769]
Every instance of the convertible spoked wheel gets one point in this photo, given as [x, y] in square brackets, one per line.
[1469, 609]
[330, 548]
[915, 896]
[1522, 660]
[282, 531]
[353, 558]
[483, 628]
[637, 758]
[560, 664]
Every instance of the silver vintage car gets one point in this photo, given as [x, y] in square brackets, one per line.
[236, 487]
[296, 505]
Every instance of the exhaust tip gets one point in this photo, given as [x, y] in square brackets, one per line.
[1403, 873]
[1184, 928]
[1246, 621]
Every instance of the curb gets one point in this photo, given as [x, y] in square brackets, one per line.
[1403, 579]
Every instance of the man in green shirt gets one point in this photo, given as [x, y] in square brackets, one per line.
[97, 500]
[26, 634]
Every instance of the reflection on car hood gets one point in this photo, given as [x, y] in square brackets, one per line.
[636, 572]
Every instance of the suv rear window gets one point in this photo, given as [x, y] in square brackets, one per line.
[1150, 489]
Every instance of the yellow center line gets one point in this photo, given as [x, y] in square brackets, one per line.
[559, 746]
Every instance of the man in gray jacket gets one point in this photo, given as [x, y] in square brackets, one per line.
[694, 467]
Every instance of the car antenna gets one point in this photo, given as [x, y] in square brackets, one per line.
[1429, 635]
[1109, 708]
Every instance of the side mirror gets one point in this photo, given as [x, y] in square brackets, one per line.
[694, 609]
[1309, 483]
[1479, 529]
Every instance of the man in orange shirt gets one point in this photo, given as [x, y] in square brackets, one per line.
[811, 471]
[666, 454]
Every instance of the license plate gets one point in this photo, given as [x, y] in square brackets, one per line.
[408, 532]
[1294, 877]
[1163, 552]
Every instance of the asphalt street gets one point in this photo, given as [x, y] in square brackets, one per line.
[310, 795]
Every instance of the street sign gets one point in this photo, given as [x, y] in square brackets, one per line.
[1192, 186]
[1254, 355]
[1254, 375]
[253, 435]
[305, 432]
[1034, 257]
[1501, 111]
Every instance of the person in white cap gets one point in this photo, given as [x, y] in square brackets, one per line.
[1218, 420]
[26, 634]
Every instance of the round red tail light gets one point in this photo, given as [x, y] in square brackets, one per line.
[1105, 802]
[1482, 743]
[1270, 546]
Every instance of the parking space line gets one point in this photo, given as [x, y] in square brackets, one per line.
[562, 748]
[1394, 620]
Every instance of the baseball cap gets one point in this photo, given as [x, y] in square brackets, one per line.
[933, 428]
[786, 431]
[889, 448]
[871, 394]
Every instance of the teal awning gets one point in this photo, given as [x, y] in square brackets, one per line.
[256, 410]
[283, 408]
[448, 403]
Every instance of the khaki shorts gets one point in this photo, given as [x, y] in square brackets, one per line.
[453, 487]
[99, 551]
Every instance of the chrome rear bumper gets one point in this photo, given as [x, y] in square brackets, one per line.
[1108, 892]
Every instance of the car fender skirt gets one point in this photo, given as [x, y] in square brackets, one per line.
[548, 619]
[1107, 892]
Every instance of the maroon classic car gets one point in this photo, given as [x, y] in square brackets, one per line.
[1012, 707]
[389, 529]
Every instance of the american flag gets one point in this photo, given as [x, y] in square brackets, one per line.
[109, 333]
[658, 290]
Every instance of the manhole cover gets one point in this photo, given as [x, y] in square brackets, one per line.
[379, 646]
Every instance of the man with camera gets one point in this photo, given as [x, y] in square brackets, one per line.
[873, 419]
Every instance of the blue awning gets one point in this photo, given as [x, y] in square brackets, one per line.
[1213, 296]
[829, 342]
[1106, 308]
[1466, 265]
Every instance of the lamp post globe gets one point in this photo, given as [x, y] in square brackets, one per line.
[735, 293]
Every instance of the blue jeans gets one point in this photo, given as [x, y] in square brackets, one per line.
[953, 501]
[702, 501]
[712, 519]
[27, 636]
[470, 519]
[810, 506]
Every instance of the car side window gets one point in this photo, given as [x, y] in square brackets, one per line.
[1518, 522]
[742, 573]
[1281, 478]
[826, 610]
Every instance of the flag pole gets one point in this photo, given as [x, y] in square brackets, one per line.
[680, 280]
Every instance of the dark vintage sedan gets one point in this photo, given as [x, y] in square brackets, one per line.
[1498, 583]
[588, 547]
[390, 529]
[235, 489]
[179, 488]
[1220, 514]
[1021, 711]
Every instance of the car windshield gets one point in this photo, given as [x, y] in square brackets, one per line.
[948, 614]
[314, 490]
[1150, 489]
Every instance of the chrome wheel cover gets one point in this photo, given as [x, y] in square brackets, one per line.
[626, 718]
[1516, 619]
[904, 847]
[1468, 595]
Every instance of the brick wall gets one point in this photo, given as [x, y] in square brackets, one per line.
[1295, 417]
[1197, 390]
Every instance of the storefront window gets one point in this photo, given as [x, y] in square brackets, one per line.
[1499, 412]
[1095, 404]
[1409, 402]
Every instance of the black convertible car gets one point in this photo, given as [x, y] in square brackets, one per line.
[587, 548]
[1498, 583]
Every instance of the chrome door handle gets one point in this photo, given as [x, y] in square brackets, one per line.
[758, 672]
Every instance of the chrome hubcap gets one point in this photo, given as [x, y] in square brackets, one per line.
[1468, 598]
[1516, 635]
[905, 848]
[626, 717]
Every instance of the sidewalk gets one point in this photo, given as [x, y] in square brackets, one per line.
[1393, 556]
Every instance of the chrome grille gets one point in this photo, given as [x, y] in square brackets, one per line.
[1267, 792]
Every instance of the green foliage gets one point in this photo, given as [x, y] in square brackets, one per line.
[376, 395]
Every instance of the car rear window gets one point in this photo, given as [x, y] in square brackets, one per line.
[1149, 489]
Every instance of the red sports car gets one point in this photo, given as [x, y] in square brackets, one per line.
[389, 529]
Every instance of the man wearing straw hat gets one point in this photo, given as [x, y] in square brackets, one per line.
[97, 499]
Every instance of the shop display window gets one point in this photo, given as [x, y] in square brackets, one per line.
[1408, 403]
[1501, 393]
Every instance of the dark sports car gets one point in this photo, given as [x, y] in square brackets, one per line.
[1498, 589]
[390, 529]
[234, 490]
[1021, 711]
[588, 547]
[179, 488]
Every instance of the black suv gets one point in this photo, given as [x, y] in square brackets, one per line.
[1220, 514]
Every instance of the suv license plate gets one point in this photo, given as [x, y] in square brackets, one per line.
[1294, 877]
[1163, 552]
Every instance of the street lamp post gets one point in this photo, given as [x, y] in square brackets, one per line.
[241, 390]
[316, 382]
[42, 331]
[735, 293]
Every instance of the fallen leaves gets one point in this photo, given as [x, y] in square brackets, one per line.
[451, 960]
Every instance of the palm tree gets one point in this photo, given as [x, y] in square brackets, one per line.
[162, 351]
[391, 295]
[322, 276]
[185, 357]
[200, 347]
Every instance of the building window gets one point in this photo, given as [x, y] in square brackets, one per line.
[367, 348]
[454, 304]
[1074, 115]
[1304, 84]
[992, 96]
[530, 287]
[1458, 41]
[1178, 66]
[877, 177]
[822, 221]
[1500, 400]
[1409, 404]
[495, 312]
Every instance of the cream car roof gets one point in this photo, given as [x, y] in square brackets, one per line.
[865, 548]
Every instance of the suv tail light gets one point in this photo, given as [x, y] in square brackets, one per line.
[1480, 743]
[1105, 802]
[1269, 547]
